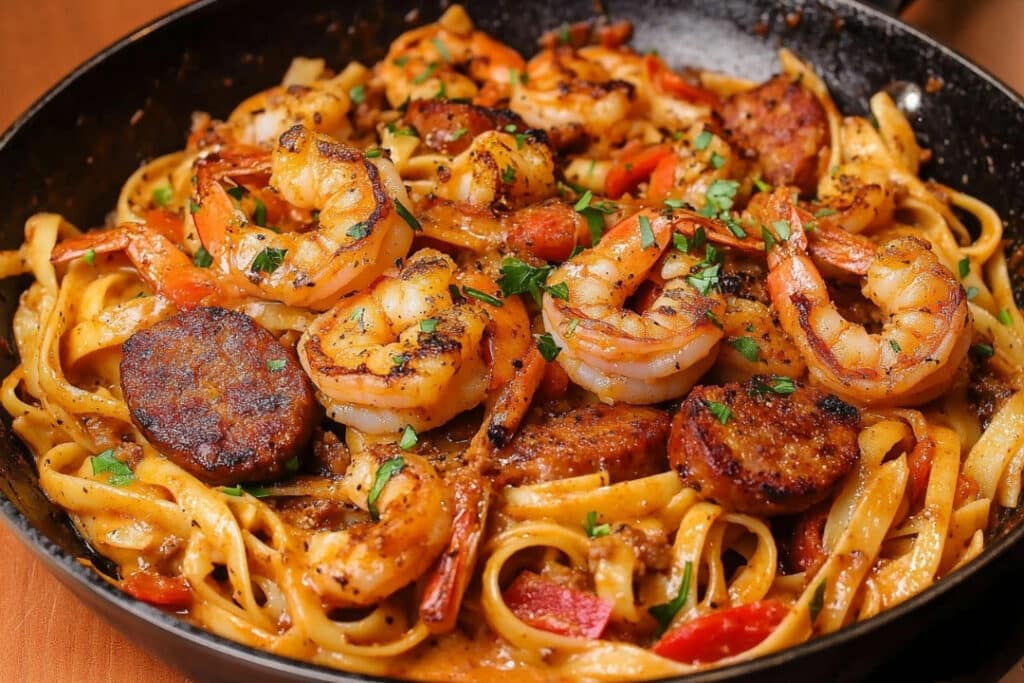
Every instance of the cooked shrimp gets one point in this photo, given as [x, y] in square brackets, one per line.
[400, 353]
[622, 355]
[168, 270]
[363, 564]
[501, 170]
[360, 230]
[754, 344]
[322, 106]
[565, 92]
[427, 60]
[924, 338]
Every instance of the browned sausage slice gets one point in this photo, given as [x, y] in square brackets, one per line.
[775, 453]
[218, 394]
[450, 127]
[783, 125]
[626, 441]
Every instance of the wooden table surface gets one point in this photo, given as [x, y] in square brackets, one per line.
[52, 636]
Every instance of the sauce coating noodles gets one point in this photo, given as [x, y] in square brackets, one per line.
[608, 372]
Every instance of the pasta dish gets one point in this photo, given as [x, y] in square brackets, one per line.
[574, 367]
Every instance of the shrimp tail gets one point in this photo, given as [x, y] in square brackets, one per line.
[447, 583]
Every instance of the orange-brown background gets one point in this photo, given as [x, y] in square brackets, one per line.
[49, 636]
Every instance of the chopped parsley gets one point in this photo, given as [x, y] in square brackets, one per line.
[357, 93]
[519, 277]
[509, 174]
[721, 411]
[90, 256]
[681, 243]
[563, 34]
[646, 234]
[762, 186]
[666, 612]
[817, 600]
[399, 359]
[675, 203]
[357, 316]
[593, 529]
[401, 61]
[964, 266]
[193, 206]
[259, 213]
[547, 346]
[747, 347]
[163, 195]
[409, 438]
[388, 469]
[425, 74]
[703, 140]
[782, 229]
[983, 351]
[821, 213]
[483, 296]
[777, 385]
[594, 214]
[457, 133]
[972, 292]
[372, 153]
[768, 237]
[359, 230]
[1004, 317]
[717, 160]
[276, 364]
[442, 49]
[268, 260]
[406, 215]
[239, 489]
[428, 325]
[202, 258]
[120, 473]
[571, 329]
[895, 345]
[292, 464]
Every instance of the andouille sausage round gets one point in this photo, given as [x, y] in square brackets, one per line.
[219, 395]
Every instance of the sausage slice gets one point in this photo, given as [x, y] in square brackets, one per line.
[783, 125]
[774, 454]
[218, 394]
[626, 441]
[450, 127]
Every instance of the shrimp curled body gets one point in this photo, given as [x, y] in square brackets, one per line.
[360, 231]
[623, 355]
[925, 335]
[365, 563]
[401, 353]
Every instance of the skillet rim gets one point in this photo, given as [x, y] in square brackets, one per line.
[78, 577]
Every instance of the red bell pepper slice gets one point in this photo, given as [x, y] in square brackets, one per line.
[721, 634]
[632, 168]
[663, 179]
[159, 590]
[550, 606]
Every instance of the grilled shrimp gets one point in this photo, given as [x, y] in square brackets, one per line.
[401, 353]
[501, 170]
[431, 59]
[926, 332]
[364, 564]
[360, 229]
[622, 355]
[168, 270]
[565, 93]
[322, 106]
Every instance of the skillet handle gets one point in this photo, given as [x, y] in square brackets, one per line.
[893, 7]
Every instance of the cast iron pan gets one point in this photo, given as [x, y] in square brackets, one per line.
[73, 149]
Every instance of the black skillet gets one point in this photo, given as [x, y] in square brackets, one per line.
[73, 149]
